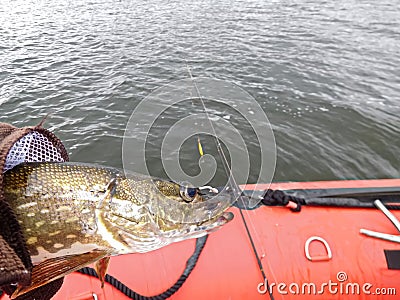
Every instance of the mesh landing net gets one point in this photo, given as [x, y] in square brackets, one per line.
[18, 145]
[33, 147]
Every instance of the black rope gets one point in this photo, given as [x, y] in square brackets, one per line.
[278, 197]
[392, 207]
[190, 264]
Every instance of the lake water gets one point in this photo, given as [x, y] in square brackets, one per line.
[326, 73]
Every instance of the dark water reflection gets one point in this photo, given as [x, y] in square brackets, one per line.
[326, 73]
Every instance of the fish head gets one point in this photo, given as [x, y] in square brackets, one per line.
[148, 213]
[184, 204]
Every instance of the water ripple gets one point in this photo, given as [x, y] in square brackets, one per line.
[326, 73]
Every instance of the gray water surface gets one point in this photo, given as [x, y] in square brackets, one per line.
[326, 73]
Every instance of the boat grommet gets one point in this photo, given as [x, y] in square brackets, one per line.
[326, 257]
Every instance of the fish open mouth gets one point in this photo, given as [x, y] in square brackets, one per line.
[222, 219]
[226, 217]
[215, 224]
[175, 233]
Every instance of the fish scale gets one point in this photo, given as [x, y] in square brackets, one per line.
[73, 214]
[54, 204]
[71, 208]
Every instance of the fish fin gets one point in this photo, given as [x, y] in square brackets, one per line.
[101, 267]
[58, 267]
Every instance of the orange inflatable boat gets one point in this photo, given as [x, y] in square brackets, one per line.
[271, 252]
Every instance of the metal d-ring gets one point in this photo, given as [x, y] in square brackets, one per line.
[328, 255]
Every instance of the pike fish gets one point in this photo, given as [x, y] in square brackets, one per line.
[75, 214]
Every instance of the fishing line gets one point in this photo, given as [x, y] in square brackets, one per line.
[231, 181]
[225, 163]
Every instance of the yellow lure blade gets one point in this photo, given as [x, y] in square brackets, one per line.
[200, 147]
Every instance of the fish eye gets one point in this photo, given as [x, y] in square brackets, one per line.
[188, 194]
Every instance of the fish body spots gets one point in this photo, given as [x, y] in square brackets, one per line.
[63, 208]
[26, 205]
[40, 224]
[86, 211]
[54, 233]
[59, 250]
[32, 240]
[72, 219]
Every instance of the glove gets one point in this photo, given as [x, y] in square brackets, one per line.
[19, 145]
